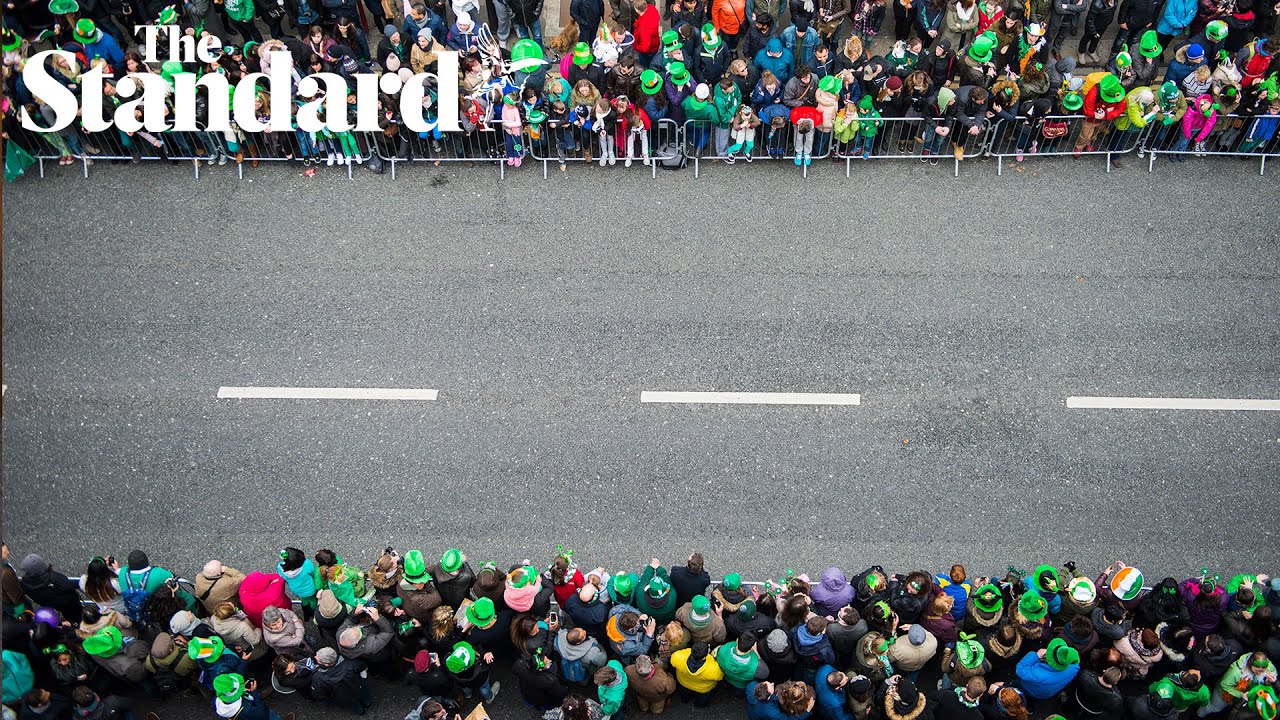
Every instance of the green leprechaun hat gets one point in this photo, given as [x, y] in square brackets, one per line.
[650, 82]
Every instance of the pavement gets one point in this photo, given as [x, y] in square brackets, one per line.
[963, 312]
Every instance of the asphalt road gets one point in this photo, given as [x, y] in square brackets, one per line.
[963, 311]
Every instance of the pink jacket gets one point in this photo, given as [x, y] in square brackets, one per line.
[511, 119]
[1195, 126]
[260, 590]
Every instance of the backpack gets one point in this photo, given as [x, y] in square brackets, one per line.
[135, 598]
[671, 157]
[167, 681]
[416, 713]
[575, 671]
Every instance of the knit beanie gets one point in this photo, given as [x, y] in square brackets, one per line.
[34, 565]
[138, 560]
[327, 604]
[776, 641]
[183, 622]
[162, 646]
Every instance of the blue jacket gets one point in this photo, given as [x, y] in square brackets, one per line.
[633, 645]
[767, 710]
[802, 50]
[409, 31]
[813, 651]
[1040, 680]
[783, 67]
[1177, 15]
[958, 592]
[769, 112]
[105, 48]
[303, 582]
[831, 703]
[1264, 128]
[1178, 70]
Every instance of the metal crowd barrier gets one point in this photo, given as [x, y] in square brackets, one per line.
[482, 145]
[294, 146]
[908, 138]
[1232, 136]
[663, 135]
[1027, 138]
[770, 144]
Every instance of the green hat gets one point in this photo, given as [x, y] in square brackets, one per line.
[511, 99]
[1216, 30]
[582, 55]
[228, 687]
[650, 82]
[462, 657]
[747, 609]
[699, 612]
[1123, 59]
[1060, 655]
[105, 643]
[63, 7]
[732, 581]
[1150, 46]
[523, 576]
[1072, 102]
[169, 16]
[1032, 606]
[710, 38]
[10, 40]
[536, 116]
[679, 75]
[415, 568]
[865, 103]
[1046, 579]
[169, 68]
[970, 651]
[526, 55]
[209, 648]
[1262, 700]
[1110, 89]
[981, 48]
[87, 32]
[451, 561]
[1082, 590]
[657, 587]
[988, 599]
[623, 584]
[831, 84]
[1168, 93]
[481, 613]
[670, 41]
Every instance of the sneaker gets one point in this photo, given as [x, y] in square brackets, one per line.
[331, 160]
[586, 154]
[730, 160]
[747, 157]
[799, 159]
[604, 159]
[627, 163]
[1018, 157]
[866, 154]
[1088, 148]
[933, 159]
[646, 162]
[223, 159]
[511, 161]
[1075, 152]
[359, 159]
[1035, 147]
[924, 156]
[495, 687]
[613, 160]
[808, 159]
[1142, 152]
[518, 161]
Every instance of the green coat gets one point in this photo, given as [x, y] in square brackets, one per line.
[1182, 698]
[156, 579]
[695, 109]
[611, 696]
[738, 671]
[239, 10]
[869, 122]
[726, 105]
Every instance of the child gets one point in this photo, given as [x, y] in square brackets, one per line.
[635, 124]
[562, 131]
[580, 118]
[869, 123]
[742, 131]
[1196, 125]
[806, 120]
[605, 125]
[511, 128]
[775, 116]
[1263, 129]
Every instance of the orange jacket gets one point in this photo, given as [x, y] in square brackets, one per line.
[729, 16]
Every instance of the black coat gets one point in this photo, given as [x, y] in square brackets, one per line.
[339, 684]
[685, 583]
[540, 688]
[1099, 702]
[946, 705]
[56, 590]
[587, 13]
[1139, 13]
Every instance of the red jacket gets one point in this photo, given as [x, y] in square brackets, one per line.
[648, 30]
[573, 583]
[800, 112]
[1092, 102]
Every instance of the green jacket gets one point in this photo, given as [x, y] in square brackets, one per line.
[1182, 698]
[239, 10]
[869, 122]
[727, 103]
[702, 111]
[667, 612]
[1235, 677]
[611, 696]
[156, 578]
[738, 670]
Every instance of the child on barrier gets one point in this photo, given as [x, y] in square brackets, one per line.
[634, 125]
[512, 128]
[1263, 129]
[775, 116]
[742, 131]
[1103, 103]
[1196, 126]
[806, 119]
[604, 124]
[562, 131]
[869, 124]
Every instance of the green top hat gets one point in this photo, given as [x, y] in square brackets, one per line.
[981, 48]
[969, 651]
[229, 687]
[657, 587]
[208, 649]
[63, 7]
[1046, 579]
[451, 561]
[988, 599]
[670, 41]
[679, 74]
[169, 16]
[1216, 30]
[10, 40]
[526, 55]
[1110, 89]
[710, 38]
[105, 643]
[1060, 655]
[415, 567]
[1123, 59]
[462, 657]
[1149, 46]
[832, 84]
[481, 613]
[650, 84]
[1072, 102]
[87, 32]
[582, 55]
[1032, 606]
[623, 584]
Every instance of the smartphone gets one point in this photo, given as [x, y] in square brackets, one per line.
[553, 618]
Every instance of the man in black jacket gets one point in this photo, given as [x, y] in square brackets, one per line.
[1097, 695]
[337, 681]
[1134, 18]
[691, 578]
[958, 703]
[587, 13]
[540, 685]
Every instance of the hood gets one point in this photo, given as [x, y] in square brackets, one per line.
[572, 652]
[804, 639]
[773, 46]
[256, 583]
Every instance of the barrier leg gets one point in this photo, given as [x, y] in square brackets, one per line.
[41, 162]
[957, 170]
[1151, 163]
[999, 165]
[197, 167]
[696, 166]
[1108, 162]
[84, 162]
[393, 169]
[1262, 170]
[847, 163]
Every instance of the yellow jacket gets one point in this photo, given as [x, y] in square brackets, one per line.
[703, 681]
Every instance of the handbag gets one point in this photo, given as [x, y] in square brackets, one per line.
[1053, 129]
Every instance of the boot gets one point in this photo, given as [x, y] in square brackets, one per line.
[959, 151]
[586, 153]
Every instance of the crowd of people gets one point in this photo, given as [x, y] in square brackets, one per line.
[591, 644]
[1201, 72]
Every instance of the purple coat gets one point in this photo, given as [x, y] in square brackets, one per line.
[831, 593]
[1204, 618]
